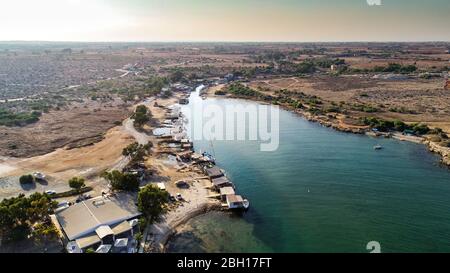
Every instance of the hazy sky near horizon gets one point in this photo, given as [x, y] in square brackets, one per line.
[225, 20]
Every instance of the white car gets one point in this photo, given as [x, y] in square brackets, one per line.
[179, 197]
[50, 192]
[39, 176]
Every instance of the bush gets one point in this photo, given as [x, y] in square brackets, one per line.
[122, 181]
[386, 125]
[220, 93]
[72, 192]
[238, 89]
[306, 67]
[395, 68]
[152, 201]
[8, 118]
[18, 214]
[140, 116]
[26, 179]
[76, 183]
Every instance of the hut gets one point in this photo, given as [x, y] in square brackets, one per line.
[225, 191]
[235, 201]
[214, 172]
[221, 182]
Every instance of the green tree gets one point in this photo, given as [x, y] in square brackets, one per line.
[136, 151]
[122, 181]
[141, 116]
[141, 109]
[18, 214]
[77, 183]
[26, 179]
[152, 202]
[306, 67]
[131, 149]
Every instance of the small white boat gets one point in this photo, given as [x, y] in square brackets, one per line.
[246, 204]
[377, 147]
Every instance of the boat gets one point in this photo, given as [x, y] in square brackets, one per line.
[209, 157]
[377, 147]
[246, 204]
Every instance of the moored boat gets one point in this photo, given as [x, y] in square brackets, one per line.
[246, 204]
[377, 147]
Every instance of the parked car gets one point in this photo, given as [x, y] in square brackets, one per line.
[83, 197]
[50, 192]
[64, 204]
[172, 198]
[39, 176]
[179, 197]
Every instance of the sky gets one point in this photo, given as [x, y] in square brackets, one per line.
[225, 20]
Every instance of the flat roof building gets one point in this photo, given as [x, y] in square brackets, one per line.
[89, 221]
[221, 182]
[235, 201]
[225, 191]
[214, 172]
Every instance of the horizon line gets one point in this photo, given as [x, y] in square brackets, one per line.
[218, 41]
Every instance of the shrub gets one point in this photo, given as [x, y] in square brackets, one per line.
[152, 201]
[122, 181]
[26, 179]
[76, 183]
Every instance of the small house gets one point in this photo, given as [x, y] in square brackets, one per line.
[235, 201]
[221, 182]
[225, 191]
[214, 172]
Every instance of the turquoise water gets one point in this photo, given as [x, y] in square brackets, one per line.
[326, 191]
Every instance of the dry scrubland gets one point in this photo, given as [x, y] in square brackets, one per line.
[65, 107]
[79, 91]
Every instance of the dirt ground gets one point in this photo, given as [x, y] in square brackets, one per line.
[63, 164]
[78, 125]
[425, 99]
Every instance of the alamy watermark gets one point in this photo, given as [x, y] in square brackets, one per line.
[374, 247]
[237, 122]
[374, 2]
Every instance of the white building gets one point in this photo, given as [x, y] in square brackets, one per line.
[98, 220]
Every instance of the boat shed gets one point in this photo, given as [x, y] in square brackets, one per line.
[235, 201]
[214, 172]
[225, 191]
[221, 182]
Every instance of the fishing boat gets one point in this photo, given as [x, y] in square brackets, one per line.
[377, 147]
[246, 204]
[209, 157]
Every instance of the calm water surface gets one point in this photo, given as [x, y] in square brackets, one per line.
[325, 191]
